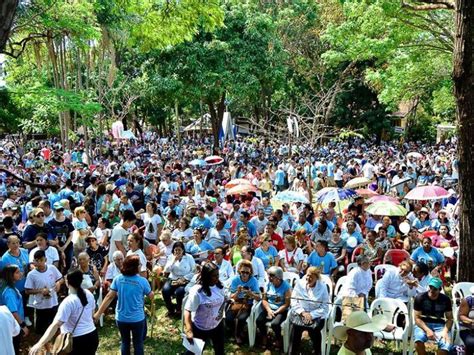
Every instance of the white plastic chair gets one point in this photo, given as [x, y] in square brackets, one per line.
[460, 290]
[252, 322]
[332, 321]
[381, 269]
[285, 332]
[99, 302]
[351, 266]
[391, 309]
[327, 280]
[340, 283]
[291, 277]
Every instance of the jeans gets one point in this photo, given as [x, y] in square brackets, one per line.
[420, 335]
[314, 334]
[216, 335]
[137, 330]
[168, 291]
[467, 337]
[275, 323]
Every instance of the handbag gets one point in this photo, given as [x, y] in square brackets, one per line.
[63, 342]
[297, 319]
[351, 304]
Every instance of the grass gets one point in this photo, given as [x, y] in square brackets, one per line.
[166, 339]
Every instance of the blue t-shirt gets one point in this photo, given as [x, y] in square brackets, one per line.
[11, 298]
[130, 290]
[21, 261]
[306, 226]
[251, 229]
[356, 235]
[279, 177]
[198, 222]
[326, 263]
[276, 295]
[420, 255]
[252, 285]
[193, 248]
[267, 256]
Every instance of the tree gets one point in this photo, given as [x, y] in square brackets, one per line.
[7, 14]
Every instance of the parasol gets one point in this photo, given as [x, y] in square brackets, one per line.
[357, 182]
[236, 182]
[382, 198]
[366, 193]
[214, 160]
[425, 193]
[198, 162]
[336, 195]
[385, 208]
[415, 155]
[291, 196]
[241, 189]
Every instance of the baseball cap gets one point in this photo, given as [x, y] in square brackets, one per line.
[436, 283]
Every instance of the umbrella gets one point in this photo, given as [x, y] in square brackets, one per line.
[415, 155]
[236, 182]
[214, 160]
[357, 182]
[366, 193]
[382, 198]
[128, 135]
[336, 195]
[241, 189]
[197, 162]
[291, 196]
[324, 190]
[401, 182]
[385, 208]
[427, 193]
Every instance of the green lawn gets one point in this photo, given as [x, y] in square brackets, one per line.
[166, 338]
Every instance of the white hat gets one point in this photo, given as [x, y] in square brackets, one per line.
[359, 320]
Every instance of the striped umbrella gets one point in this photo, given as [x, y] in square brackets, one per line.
[336, 195]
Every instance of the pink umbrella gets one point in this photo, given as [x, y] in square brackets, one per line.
[241, 189]
[214, 160]
[423, 193]
[236, 182]
[366, 193]
[381, 198]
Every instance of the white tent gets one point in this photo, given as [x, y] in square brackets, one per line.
[227, 127]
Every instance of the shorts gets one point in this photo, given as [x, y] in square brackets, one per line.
[420, 335]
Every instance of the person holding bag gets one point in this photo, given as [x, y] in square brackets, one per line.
[309, 309]
[74, 318]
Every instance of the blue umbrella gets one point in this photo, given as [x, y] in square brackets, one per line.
[291, 196]
[198, 162]
[336, 195]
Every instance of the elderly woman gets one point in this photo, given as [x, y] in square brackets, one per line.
[179, 269]
[387, 223]
[243, 291]
[91, 279]
[275, 304]
[114, 268]
[165, 247]
[292, 257]
[397, 283]
[248, 253]
[267, 252]
[309, 309]
[429, 255]
[183, 233]
[359, 279]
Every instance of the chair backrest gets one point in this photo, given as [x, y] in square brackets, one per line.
[379, 270]
[351, 266]
[336, 312]
[337, 290]
[291, 277]
[355, 253]
[327, 280]
[460, 290]
[395, 256]
[394, 311]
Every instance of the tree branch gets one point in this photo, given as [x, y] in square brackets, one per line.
[430, 5]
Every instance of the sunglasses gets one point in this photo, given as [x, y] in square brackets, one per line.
[245, 272]
[270, 276]
[40, 215]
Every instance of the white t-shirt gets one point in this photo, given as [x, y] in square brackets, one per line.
[46, 279]
[101, 234]
[291, 259]
[52, 255]
[69, 311]
[9, 329]
[167, 251]
[141, 256]
[226, 272]
[206, 311]
[178, 235]
[112, 271]
[368, 170]
[151, 225]
[338, 175]
[119, 234]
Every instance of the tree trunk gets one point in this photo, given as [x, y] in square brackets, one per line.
[463, 86]
[217, 114]
[7, 14]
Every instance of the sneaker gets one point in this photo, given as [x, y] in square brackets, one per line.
[28, 322]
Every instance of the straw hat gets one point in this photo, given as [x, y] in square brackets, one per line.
[360, 321]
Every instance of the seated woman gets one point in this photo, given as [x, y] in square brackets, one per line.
[359, 280]
[397, 283]
[412, 241]
[309, 310]
[248, 253]
[243, 291]
[372, 249]
[445, 240]
[183, 233]
[422, 223]
[241, 240]
[180, 270]
[226, 272]
[267, 252]
[275, 303]
[322, 259]
[292, 257]
[198, 247]
[165, 247]
[428, 254]
[466, 323]
[337, 246]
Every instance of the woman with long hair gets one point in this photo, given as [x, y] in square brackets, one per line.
[204, 309]
[74, 316]
[13, 300]
[152, 220]
[130, 288]
[135, 247]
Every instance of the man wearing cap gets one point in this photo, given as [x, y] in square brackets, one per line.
[357, 333]
[433, 318]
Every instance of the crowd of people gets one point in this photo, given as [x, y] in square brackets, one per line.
[84, 232]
